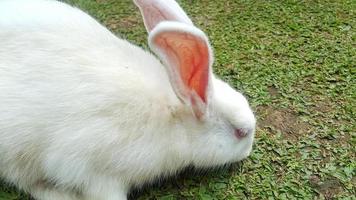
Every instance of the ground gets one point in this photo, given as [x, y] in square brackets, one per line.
[295, 62]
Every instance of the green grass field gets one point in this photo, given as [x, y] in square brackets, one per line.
[296, 62]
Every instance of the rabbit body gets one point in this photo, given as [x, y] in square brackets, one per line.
[76, 101]
[86, 115]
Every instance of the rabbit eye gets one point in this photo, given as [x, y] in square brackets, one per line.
[240, 133]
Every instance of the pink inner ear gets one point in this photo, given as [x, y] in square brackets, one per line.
[190, 55]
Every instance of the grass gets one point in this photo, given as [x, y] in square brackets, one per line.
[295, 61]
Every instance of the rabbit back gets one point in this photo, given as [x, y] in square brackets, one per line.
[72, 94]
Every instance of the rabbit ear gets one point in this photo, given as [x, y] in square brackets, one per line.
[183, 48]
[185, 51]
[155, 11]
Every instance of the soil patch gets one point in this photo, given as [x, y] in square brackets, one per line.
[283, 120]
[328, 189]
[273, 91]
[322, 105]
[122, 23]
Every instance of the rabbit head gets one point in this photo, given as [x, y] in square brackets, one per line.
[226, 124]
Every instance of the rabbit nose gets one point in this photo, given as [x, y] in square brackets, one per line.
[241, 133]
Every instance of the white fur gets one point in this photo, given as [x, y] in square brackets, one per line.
[85, 115]
[153, 8]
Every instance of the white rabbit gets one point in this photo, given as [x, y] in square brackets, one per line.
[86, 115]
